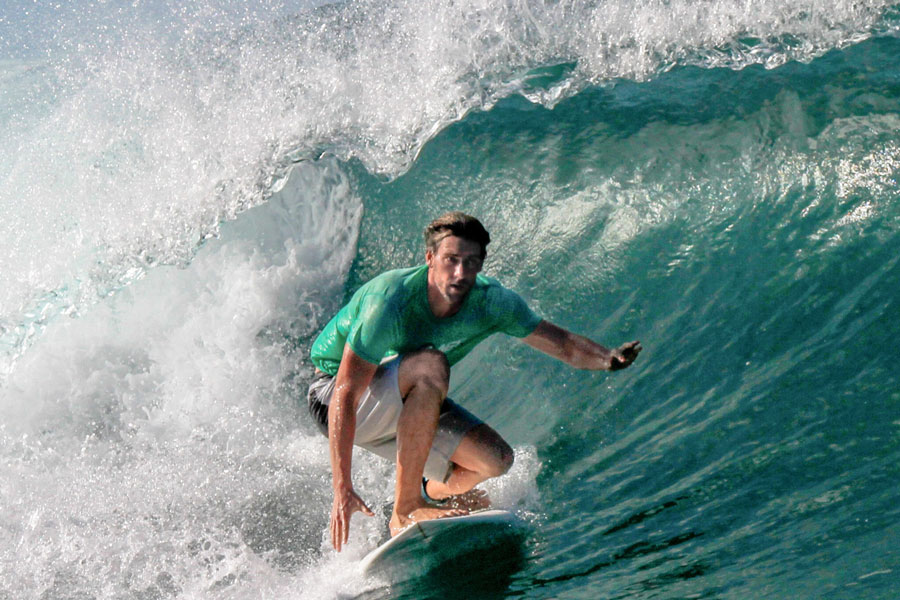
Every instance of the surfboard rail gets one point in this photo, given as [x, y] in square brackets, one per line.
[428, 544]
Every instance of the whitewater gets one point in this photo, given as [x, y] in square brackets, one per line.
[188, 193]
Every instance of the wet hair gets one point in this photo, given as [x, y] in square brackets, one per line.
[459, 224]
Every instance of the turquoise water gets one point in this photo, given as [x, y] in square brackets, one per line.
[189, 194]
[753, 451]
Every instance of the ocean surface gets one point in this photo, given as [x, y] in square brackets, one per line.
[188, 192]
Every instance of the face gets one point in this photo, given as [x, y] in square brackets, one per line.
[452, 267]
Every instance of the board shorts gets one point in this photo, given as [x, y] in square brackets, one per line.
[378, 413]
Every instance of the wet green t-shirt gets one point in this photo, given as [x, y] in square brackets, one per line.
[390, 315]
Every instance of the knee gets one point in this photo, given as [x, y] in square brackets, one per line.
[505, 458]
[425, 369]
[499, 461]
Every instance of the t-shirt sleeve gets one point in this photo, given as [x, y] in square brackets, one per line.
[513, 315]
[374, 329]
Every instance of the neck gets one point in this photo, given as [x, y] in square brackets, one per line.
[440, 306]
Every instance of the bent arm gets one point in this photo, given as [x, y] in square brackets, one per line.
[578, 351]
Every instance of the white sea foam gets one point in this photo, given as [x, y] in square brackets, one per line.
[151, 369]
[154, 437]
[130, 134]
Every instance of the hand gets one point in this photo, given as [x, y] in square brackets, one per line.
[346, 502]
[624, 355]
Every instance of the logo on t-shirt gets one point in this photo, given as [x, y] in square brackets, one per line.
[451, 346]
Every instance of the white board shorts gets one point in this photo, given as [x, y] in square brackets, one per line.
[378, 412]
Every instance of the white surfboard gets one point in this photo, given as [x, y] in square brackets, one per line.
[427, 545]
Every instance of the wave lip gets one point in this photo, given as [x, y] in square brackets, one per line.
[135, 133]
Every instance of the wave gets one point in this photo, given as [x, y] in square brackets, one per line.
[135, 133]
[202, 189]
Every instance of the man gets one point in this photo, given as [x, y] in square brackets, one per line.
[383, 370]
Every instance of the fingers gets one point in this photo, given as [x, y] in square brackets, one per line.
[366, 510]
[336, 540]
[341, 512]
[340, 528]
[357, 504]
[340, 531]
[624, 355]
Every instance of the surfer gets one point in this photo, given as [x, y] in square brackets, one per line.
[383, 371]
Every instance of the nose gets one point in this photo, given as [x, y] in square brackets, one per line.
[463, 271]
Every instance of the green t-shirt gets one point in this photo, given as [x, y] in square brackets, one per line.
[390, 315]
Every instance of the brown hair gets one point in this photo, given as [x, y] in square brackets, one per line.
[458, 224]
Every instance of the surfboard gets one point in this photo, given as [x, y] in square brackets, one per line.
[428, 545]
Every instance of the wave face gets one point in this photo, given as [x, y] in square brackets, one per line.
[188, 195]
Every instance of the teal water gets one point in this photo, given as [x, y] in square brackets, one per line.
[735, 223]
[719, 183]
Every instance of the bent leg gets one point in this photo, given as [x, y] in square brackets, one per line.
[423, 379]
[482, 454]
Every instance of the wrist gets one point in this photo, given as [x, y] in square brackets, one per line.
[341, 484]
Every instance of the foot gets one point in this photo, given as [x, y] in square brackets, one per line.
[474, 499]
[422, 511]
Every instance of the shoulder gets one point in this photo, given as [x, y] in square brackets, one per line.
[386, 295]
[492, 290]
[508, 310]
[391, 285]
[492, 298]
[389, 280]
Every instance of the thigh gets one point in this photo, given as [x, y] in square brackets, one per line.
[377, 410]
[379, 407]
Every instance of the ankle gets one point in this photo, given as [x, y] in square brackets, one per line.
[432, 497]
[404, 507]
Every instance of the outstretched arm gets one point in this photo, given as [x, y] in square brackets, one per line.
[579, 351]
[352, 379]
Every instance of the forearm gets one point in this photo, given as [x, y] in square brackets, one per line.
[351, 381]
[578, 351]
[584, 353]
[341, 431]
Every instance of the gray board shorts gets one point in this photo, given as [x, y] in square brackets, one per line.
[378, 413]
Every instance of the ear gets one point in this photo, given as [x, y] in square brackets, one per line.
[429, 256]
